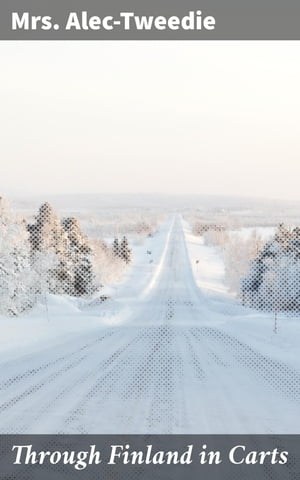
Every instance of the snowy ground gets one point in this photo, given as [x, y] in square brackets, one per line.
[265, 233]
[208, 270]
[206, 264]
[58, 318]
[170, 352]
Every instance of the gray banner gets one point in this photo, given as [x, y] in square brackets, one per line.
[143, 457]
[137, 20]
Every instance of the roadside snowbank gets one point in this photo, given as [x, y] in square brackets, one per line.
[207, 264]
[56, 319]
[252, 327]
[53, 320]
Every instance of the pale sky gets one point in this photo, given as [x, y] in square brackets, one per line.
[169, 117]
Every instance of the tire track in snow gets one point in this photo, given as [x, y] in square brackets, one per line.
[102, 387]
[278, 375]
[31, 372]
[26, 396]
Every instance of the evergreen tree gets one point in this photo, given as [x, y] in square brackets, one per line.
[84, 283]
[116, 248]
[273, 281]
[47, 233]
[80, 258]
[125, 251]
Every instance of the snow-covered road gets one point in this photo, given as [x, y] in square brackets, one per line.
[171, 367]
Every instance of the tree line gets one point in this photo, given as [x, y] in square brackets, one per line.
[49, 255]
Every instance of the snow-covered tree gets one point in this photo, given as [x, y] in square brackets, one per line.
[273, 281]
[63, 251]
[80, 258]
[16, 277]
[48, 237]
[47, 232]
[43, 264]
[108, 267]
[121, 249]
[236, 252]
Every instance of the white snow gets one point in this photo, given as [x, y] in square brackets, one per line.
[243, 322]
[170, 352]
[207, 264]
[145, 267]
[265, 233]
[44, 326]
[57, 318]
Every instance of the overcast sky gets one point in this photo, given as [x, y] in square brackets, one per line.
[173, 117]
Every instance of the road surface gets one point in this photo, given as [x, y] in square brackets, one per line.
[171, 368]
